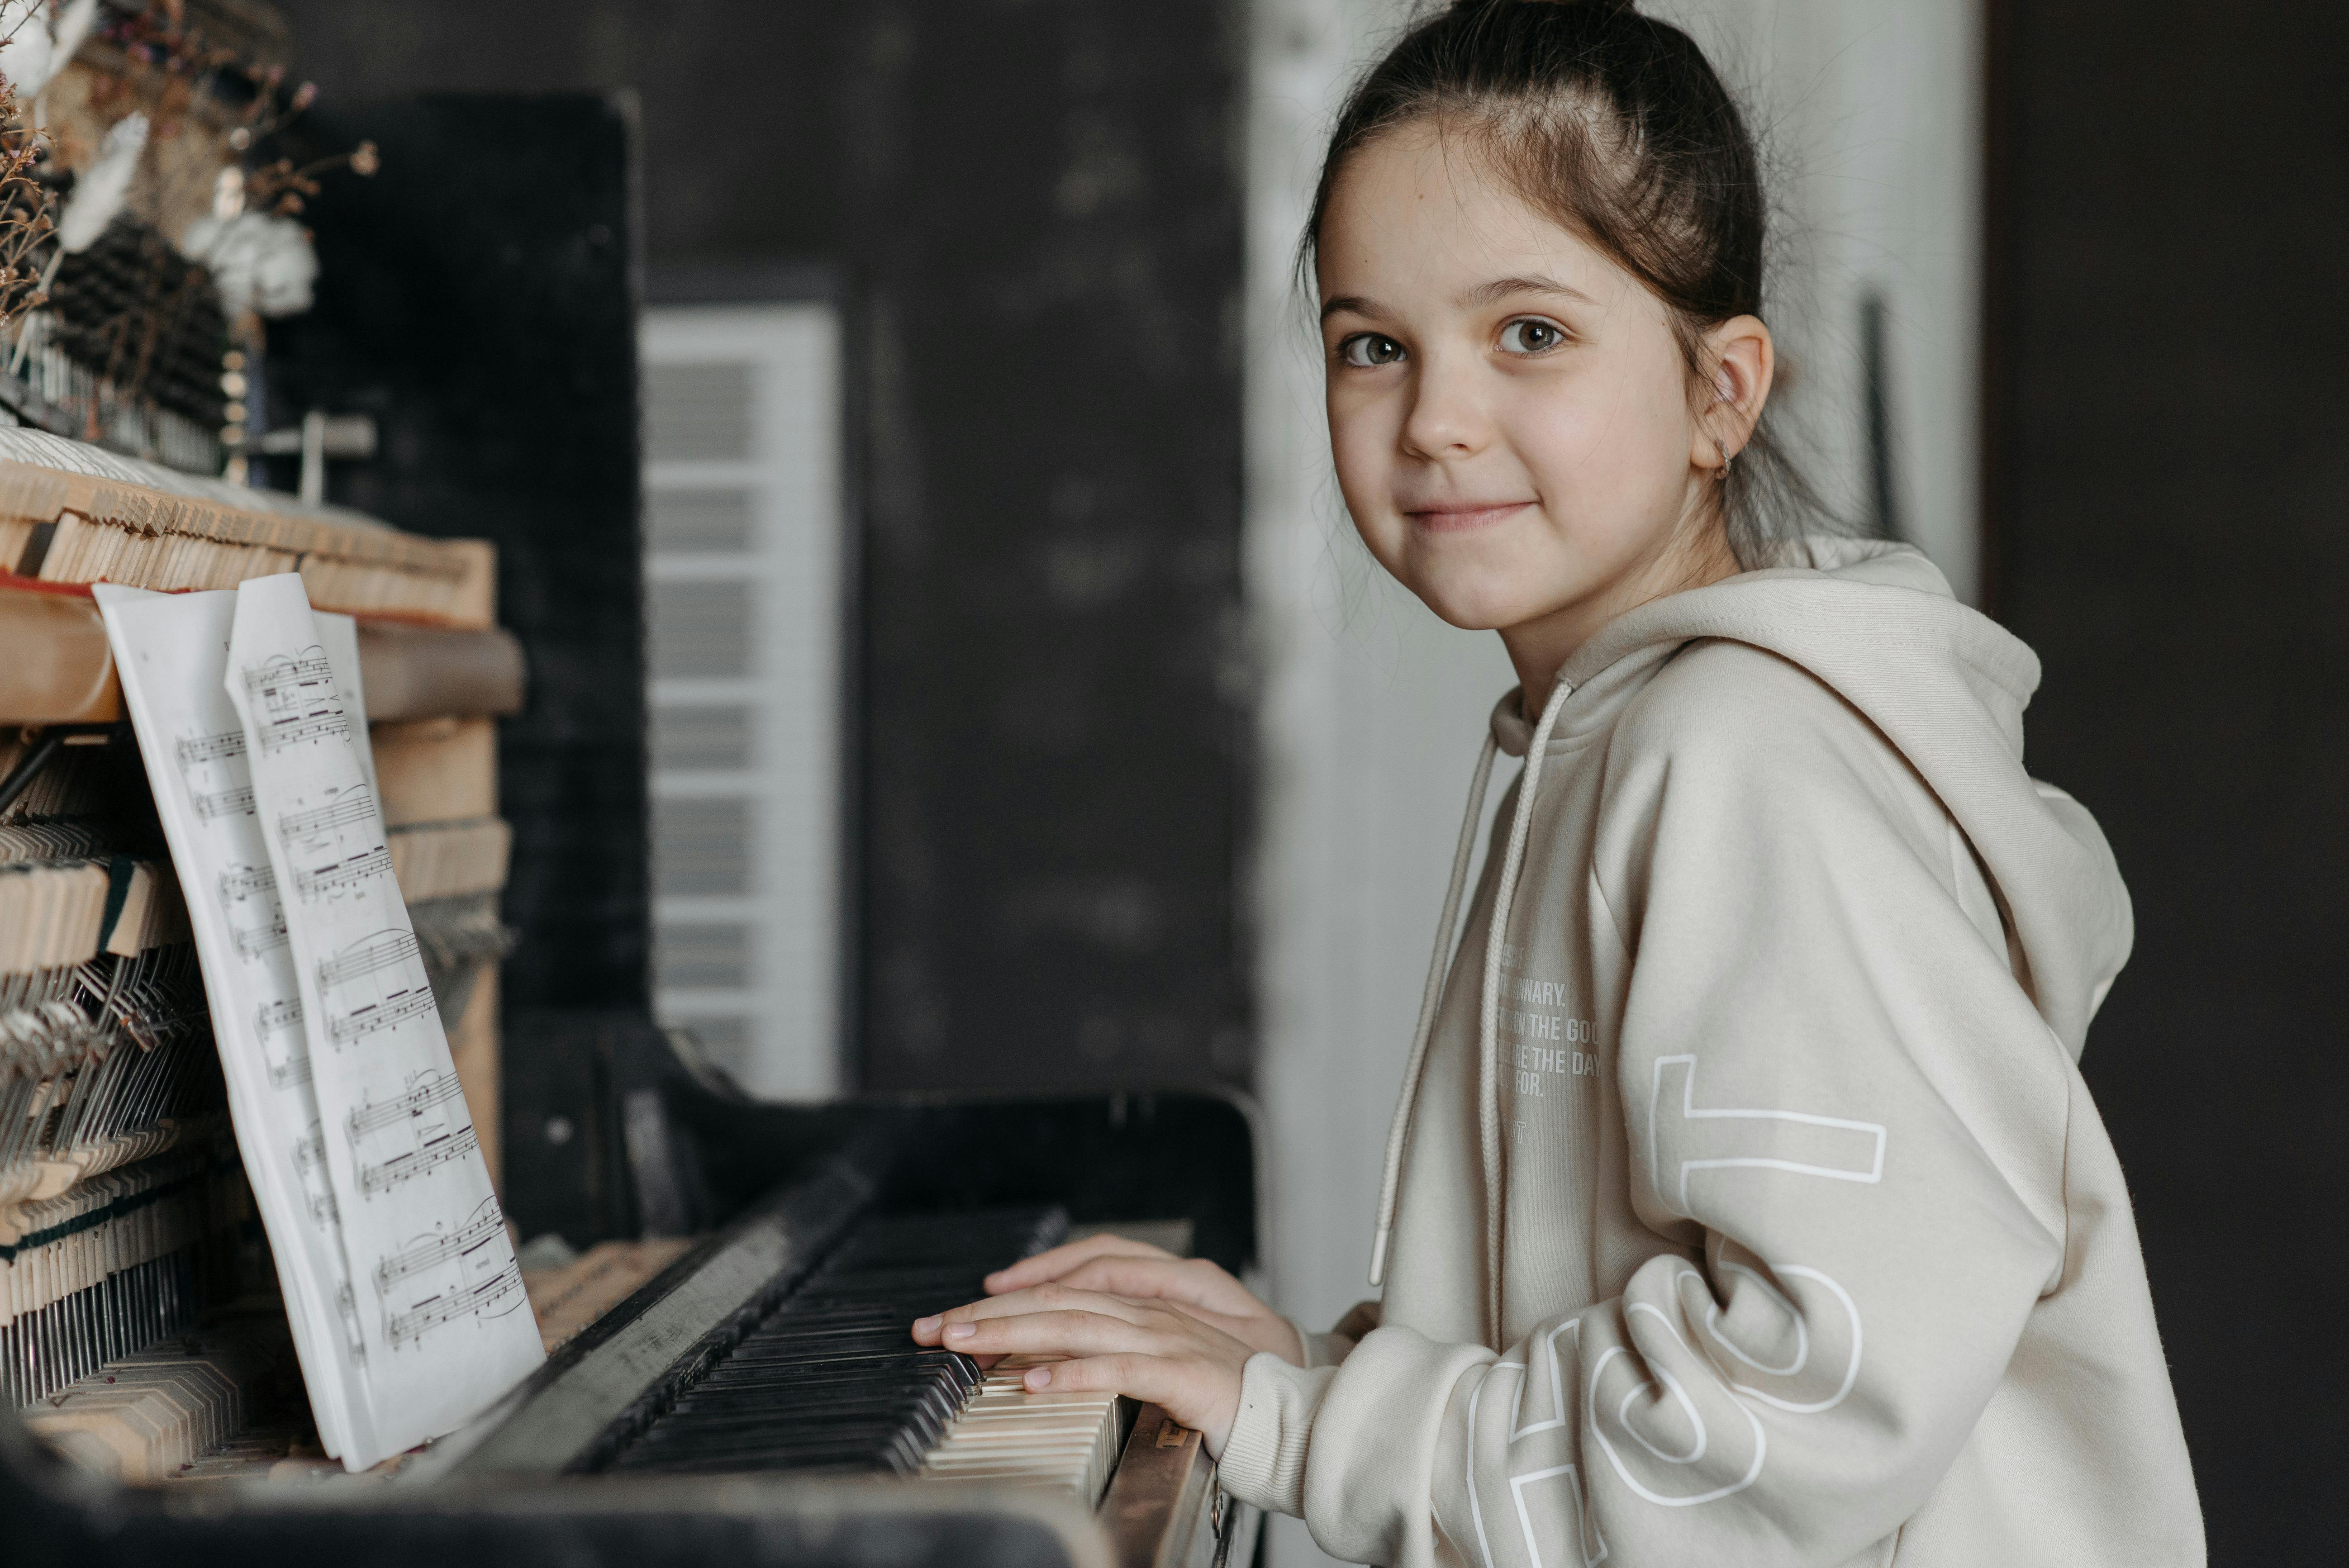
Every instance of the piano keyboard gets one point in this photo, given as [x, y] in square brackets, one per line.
[831, 1381]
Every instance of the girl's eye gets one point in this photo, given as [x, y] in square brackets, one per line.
[1368, 351]
[1531, 335]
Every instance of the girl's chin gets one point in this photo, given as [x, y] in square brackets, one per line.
[1478, 607]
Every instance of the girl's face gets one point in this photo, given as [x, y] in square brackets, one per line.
[1509, 410]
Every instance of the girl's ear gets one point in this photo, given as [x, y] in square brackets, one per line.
[1743, 360]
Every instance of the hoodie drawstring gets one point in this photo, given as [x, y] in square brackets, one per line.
[1488, 1102]
[1488, 1023]
[1445, 928]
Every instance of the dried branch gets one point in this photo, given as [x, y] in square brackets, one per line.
[26, 218]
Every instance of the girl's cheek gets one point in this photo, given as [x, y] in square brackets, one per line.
[1594, 449]
[1365, 470]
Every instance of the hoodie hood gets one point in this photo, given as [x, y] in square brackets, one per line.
[1876, 623]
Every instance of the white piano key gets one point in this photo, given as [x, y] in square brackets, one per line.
[1007, 1436]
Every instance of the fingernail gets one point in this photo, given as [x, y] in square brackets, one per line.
[1039, 1377]
[962, 1330]
[925, 1325]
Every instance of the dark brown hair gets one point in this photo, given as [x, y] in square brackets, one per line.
[1616, 126]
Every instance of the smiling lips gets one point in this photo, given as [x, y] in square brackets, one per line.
[1459, 516]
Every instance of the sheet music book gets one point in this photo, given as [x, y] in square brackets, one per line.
[408, 1308]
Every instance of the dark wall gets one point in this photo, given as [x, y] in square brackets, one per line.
[1035, 204]
[474, 297]
[2170, 533]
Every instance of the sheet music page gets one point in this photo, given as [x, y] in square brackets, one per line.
[172, 654]
[447, 1327]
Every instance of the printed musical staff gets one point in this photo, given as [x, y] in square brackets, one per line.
[196, 751]
[361, 1022]
[253, 940]
[353, 809]
[435, 1152]
[374, 1116]
[314, 727]
[310, 1165]
[361, 867]
[290, 1065]
[433, 1250]
[406, 1327]
[386, 951]
[245, 882]
[309, 672]
[299, 701]
[224, 803]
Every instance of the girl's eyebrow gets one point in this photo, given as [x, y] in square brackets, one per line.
[1500, 289]
[1351, 302]
[1492, 293]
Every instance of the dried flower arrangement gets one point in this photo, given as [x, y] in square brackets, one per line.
[25, 220]
[162, 253]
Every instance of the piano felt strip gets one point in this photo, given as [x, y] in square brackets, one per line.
[106, 1214]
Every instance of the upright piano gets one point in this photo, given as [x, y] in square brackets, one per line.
[756, 1400]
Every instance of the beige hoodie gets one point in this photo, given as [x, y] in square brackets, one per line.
[1750, 1208]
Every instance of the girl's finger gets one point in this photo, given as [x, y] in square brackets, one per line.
[1055, 1333]
[1191, 1389]
[1157, 1380]
[1059, 1260]
[1190, 1280]
[1054, 1297]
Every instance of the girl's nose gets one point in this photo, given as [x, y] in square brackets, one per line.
[1446, 418]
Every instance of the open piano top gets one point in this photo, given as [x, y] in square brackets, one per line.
[759, 1400]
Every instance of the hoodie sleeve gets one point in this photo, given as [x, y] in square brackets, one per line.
[1844, 1120]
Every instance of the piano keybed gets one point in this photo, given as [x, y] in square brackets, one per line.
[831, 1380]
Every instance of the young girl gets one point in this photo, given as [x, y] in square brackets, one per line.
[1744, 1204]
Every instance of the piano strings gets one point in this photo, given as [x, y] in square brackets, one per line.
[103, 1067]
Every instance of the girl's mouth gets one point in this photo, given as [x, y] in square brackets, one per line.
[1459, 516]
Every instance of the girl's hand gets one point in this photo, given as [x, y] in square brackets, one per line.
[1140, 1348]
[1113, 1266]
